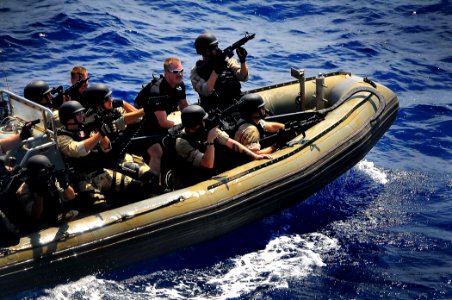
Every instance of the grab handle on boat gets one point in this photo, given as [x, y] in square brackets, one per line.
[300, 100]
[369, 89]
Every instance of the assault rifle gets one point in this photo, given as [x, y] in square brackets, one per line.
[223, 118]
[58, 100]
[229, 51]
[290, 131]
[104, 121]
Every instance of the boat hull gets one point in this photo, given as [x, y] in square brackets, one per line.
[207, 210]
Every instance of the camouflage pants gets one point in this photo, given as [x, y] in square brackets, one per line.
[103, 185]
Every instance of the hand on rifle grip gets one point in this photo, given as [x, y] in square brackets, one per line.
[220, 63]
[242, 54]
[106, 129]
[26, 132]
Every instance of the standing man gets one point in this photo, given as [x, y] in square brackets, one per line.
[217, 77]
[159, 98]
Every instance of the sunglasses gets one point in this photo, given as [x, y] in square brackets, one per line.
[177, 72]
[213, 46]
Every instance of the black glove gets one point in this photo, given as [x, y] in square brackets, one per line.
[220, 63]
[106, 129]
[26, 132]
[228, 52]
[63, 180]
[117, 103]
[242, 54]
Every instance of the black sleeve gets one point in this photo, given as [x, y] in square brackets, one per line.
[181, 93]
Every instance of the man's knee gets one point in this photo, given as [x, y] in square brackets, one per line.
[155, 151]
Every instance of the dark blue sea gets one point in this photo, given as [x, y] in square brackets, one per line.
[382, 230]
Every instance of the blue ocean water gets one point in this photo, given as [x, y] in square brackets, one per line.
[382, 230]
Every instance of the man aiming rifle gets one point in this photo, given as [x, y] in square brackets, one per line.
[65, 94]
[216, 77]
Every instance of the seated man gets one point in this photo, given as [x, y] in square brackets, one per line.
[196, 147]
[9, 234]
[120, 114]
[83, 152]
[39, 91]
[159, 98]
[252, 127]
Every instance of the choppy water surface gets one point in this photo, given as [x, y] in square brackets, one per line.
[383, 229]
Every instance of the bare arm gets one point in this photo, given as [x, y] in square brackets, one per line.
[244, 70]
[273, 126]
[211, 82]
[69, 193]
[182, 104]
[9, 143]
[92, 141]
[208, 158]
[162, 118]
[133, 116]
[237, 147]
[128, 107]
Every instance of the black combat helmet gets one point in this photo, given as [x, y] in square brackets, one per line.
[96, 94]
[250, 103]
[68, 110]
[193, 115]
[204, 41]
[35, 90]
[37, 163]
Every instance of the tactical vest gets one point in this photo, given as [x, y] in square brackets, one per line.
[151, 95]
[243, 121]
[183, 173]
[227, 88]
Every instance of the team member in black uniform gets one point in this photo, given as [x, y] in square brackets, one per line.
[159, 98]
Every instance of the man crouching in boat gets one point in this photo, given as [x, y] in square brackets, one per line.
[44, 193]
[83, 151]
[252, 127]
[196, 147]
[8, 231]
